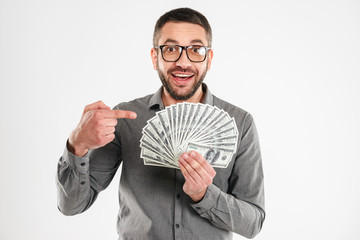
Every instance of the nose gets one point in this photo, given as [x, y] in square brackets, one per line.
[183, 61]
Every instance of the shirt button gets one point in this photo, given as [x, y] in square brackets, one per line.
[177, 225]
[82, 164]
[178, 196]
[82, 183]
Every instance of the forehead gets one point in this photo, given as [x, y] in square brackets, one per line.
[182, 33]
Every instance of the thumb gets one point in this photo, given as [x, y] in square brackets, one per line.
[99, 105]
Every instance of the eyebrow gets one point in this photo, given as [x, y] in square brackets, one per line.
[197, 41]
[169, 40]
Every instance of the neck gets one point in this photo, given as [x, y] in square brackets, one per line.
[169, 100]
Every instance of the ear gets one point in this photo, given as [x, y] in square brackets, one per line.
[154, 57]
[210, 57]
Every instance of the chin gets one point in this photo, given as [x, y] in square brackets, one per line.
[183, 95]
[180, 92]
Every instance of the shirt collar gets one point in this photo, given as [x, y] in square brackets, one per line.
[156, 100]
[208, 98]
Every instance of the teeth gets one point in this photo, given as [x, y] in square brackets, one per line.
[182, 75]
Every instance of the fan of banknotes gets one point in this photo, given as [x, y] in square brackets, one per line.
[184, 127]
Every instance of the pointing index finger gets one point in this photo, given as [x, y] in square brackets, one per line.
[119, 114]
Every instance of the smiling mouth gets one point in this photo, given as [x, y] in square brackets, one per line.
[181, 77]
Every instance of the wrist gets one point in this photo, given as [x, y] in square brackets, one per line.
[199, 196]
[76, 149]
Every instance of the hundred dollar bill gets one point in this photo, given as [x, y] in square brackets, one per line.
[183, 117]
[216, 156]
[224, 126]
[157, 132]
[193, 111]
[217, 139]
[162, 115]
[211, 124]
[205, 119]
[227, 135]
[156, 161]
[171, 121]
[200, 111]
[150, 145]
[158, 158]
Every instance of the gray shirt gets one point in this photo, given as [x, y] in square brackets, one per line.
[152, 202]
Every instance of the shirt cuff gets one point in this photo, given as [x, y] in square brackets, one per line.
[209, 200]
[81, 164]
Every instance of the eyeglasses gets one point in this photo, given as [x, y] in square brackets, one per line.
[172, 53]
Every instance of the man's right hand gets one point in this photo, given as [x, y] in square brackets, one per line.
[96, 128]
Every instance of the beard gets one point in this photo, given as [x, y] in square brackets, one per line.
[170, 89]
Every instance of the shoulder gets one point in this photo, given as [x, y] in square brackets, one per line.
[244, 120]
[233, 110]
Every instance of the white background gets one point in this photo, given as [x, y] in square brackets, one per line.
[295, 65]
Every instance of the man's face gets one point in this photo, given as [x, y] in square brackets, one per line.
[182, 78]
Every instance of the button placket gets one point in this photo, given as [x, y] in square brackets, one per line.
[178, 206]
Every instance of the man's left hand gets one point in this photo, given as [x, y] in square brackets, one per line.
[198, 174]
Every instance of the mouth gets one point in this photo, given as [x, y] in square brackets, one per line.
[182, 78]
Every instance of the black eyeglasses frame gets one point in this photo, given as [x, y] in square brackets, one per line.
[182, 49]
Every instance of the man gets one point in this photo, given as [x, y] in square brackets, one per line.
[196, 202]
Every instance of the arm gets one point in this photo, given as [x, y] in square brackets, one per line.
[80, 179]
[73, 184]
[90, 160]
[241, 208]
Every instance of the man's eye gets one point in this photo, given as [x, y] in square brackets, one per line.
[199, 50]
[170, 49]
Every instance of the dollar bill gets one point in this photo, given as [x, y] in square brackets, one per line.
[216, 156]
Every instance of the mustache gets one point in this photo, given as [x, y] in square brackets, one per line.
[180, 69]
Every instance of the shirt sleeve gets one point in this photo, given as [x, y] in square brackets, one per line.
[241, 208]
[80, 179]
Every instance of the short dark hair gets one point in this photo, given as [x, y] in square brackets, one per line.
[182, 15]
